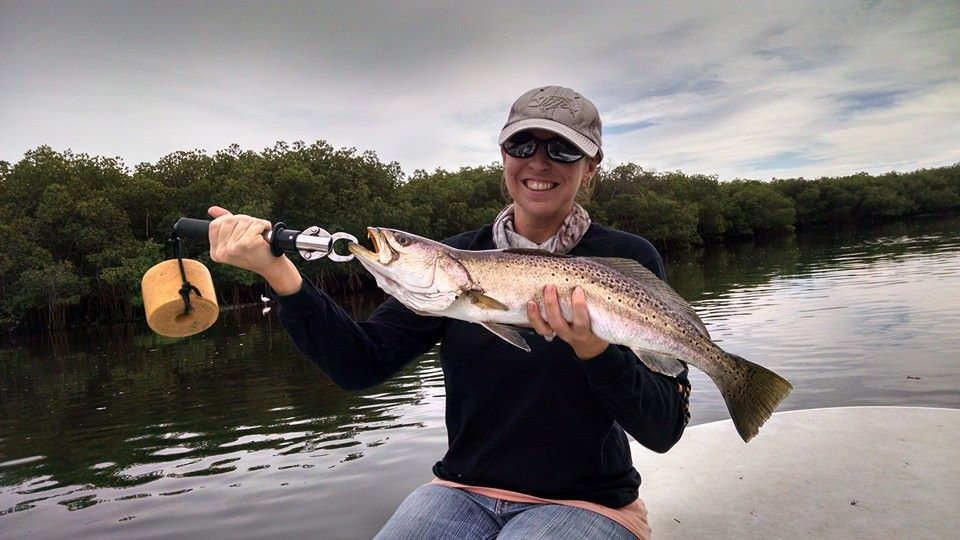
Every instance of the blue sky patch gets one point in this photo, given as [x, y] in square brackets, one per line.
[620, 129]
[783, 160]
[855, 102]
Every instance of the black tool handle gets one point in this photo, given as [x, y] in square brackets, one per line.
[191, 229]
[281, 238]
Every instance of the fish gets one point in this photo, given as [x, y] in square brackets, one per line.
[628, 305]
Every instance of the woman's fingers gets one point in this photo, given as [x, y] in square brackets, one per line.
[217, 211]
[581, 313]
[577, 331]
[553, 314]
[536, 320]
[238, 240]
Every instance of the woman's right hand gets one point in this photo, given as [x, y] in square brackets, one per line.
[238, 240]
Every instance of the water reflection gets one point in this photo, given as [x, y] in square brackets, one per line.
[117, 432]
[120, 416]
[871, 321]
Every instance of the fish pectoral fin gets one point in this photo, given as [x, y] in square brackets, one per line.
[507, 334]
[659, 362]
[486, 302]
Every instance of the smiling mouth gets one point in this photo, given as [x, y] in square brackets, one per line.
[535, 185]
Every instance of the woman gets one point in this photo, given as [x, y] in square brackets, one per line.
[537, 443]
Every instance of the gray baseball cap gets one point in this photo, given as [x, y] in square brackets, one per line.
[560, 110]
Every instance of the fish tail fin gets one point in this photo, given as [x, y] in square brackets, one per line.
[752, 395]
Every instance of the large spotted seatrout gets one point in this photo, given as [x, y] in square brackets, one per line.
[628, 306]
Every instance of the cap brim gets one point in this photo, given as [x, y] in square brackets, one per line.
[586, 145]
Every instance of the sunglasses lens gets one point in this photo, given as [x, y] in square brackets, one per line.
[564, 151]
[524, 145]
[521, 145]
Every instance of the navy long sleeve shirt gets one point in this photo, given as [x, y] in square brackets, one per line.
[543, 423]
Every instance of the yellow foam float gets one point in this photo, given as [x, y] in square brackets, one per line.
[164, 305]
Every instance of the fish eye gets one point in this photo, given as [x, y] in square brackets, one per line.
[403, 240]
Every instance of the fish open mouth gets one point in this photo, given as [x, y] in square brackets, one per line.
[373, 238]
[359, 250]
[382, 252]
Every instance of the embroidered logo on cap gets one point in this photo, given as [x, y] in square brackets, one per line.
[549, 104]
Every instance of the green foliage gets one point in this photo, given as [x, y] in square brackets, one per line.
[700, 198]
[662, 220]
[122, 266]
[443, 204]
[82, 230]
[47, 284]
[757, 209]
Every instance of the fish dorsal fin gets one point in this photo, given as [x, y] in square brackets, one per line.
[486, 302]
[635, 270]
[539, 252]
[629, 267]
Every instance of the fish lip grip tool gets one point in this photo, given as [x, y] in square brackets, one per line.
[178, 294]
[311, 243]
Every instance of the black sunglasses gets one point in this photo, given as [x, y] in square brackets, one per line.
[524, 145]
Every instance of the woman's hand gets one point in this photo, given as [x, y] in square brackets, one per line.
[577, 332]
[238, 240]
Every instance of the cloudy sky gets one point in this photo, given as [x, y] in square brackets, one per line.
[738, 89]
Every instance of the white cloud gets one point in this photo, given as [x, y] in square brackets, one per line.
[723, 88]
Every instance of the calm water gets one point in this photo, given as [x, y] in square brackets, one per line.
[117, 433]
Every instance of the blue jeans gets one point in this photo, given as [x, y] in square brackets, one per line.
[439, 512]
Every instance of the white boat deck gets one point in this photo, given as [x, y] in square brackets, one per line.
[844, 473]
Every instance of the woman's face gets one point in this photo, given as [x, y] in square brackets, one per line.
[542, 189]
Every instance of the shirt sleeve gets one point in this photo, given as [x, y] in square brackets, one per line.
[653, 408]
[355, 355]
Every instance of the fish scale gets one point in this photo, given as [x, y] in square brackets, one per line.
[628, 306]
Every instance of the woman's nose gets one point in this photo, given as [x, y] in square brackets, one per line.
[539, 158]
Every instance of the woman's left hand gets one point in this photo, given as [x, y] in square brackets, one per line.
[577, 332]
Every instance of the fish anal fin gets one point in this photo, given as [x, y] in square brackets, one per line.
[486, 302]
[660, 363]
[506, 333]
